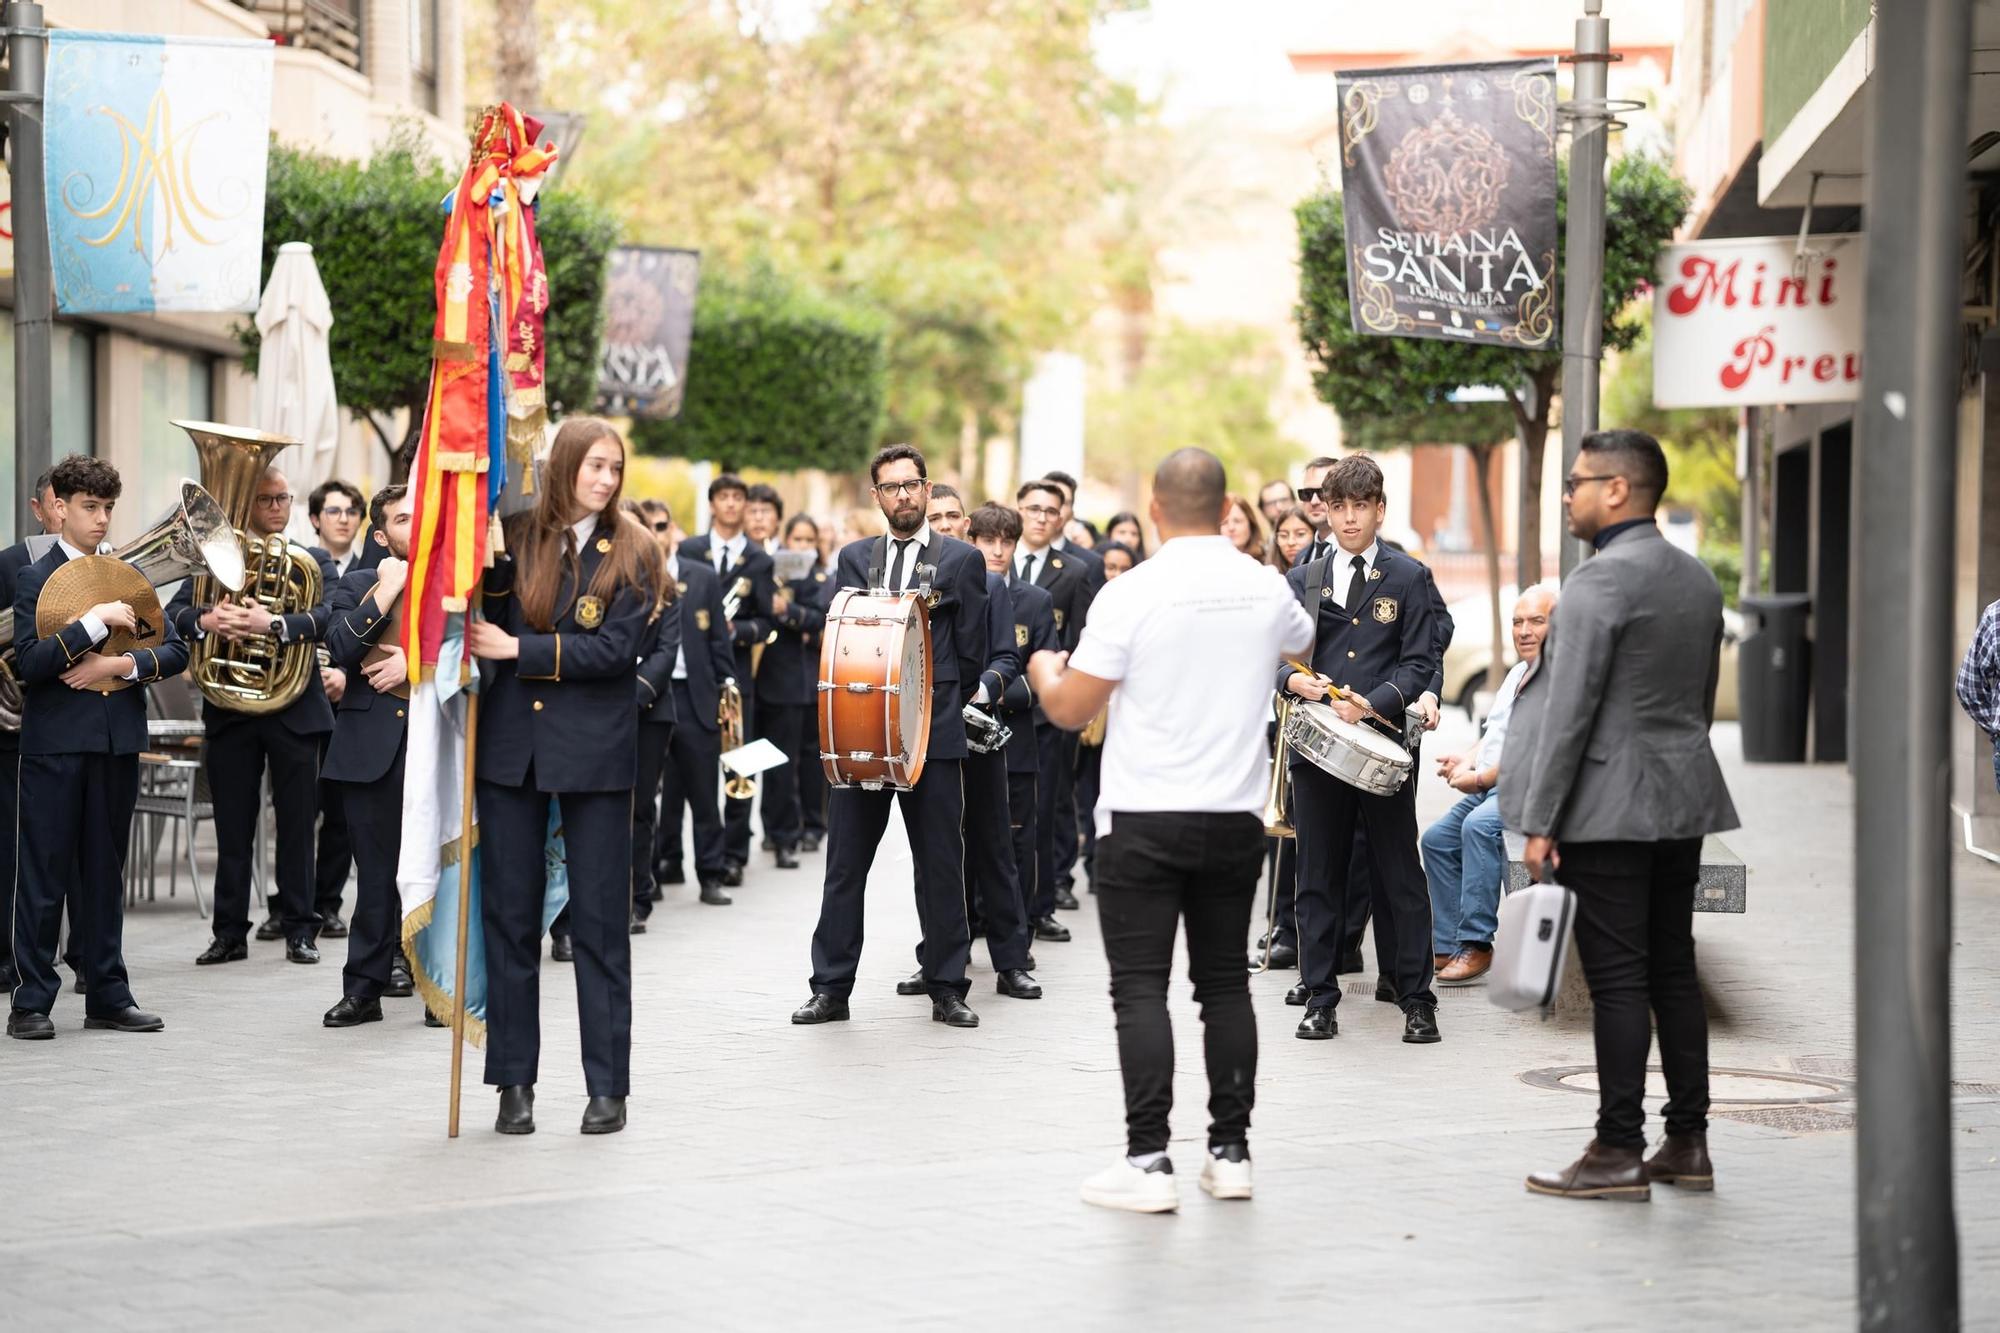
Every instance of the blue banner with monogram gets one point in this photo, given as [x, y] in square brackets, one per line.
[155, 153]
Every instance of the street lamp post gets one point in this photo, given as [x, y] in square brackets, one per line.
[34, 288]
[1589, 114]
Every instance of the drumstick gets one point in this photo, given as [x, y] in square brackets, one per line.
[1336, 691]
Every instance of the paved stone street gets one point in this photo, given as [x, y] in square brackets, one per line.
[249, 1169]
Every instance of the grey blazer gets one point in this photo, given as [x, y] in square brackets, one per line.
[1609, 742]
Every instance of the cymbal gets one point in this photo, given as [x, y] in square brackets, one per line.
[83, 583]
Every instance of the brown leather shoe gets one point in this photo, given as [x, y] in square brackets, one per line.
[1466, 966]
[1601, 1173]
[1440, 961]
[1682, 1160]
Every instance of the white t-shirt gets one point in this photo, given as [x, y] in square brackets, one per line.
[1192, 634]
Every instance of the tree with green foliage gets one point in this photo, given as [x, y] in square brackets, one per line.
[1210, 387]
[778, 377]
[375, 229]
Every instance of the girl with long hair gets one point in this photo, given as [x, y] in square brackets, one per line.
[566, 614]
[1240, 524]
[1125, 529]
[1290, 534]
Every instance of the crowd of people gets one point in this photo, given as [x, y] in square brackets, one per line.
[619, 655]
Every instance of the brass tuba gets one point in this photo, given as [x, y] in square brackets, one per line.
[260, 674]
[192, 538]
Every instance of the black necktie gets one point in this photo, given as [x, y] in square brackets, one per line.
[896, 570]
[1028, 569]
[1355, 584]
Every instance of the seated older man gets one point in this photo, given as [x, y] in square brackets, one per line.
[1464, 856]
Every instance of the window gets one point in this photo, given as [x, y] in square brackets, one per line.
[424, 54]
[73, 411]
[174, 385]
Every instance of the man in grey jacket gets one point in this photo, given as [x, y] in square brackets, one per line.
[1610, 776]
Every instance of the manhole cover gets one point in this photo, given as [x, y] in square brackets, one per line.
[1838, 1066]
[1794, 1119]
[1737, 1087]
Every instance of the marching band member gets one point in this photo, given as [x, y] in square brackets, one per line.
[1068, 584]
[79, 774]
[364, 761]
[12, 561]
[241, 745]
[659, 650]
[566, 610]
[763, 511]
[335, 509]
[687, 672]
[1377, 640]
[727, 548]
[933, 809]
[788, 695]
[1071, 823]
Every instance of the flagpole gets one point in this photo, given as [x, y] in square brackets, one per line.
[464, 906]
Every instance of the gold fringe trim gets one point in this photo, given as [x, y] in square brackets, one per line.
[449, 853]
[443, 350]
[435, 1000]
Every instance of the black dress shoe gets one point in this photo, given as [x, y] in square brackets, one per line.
[1298, 994]
[561, 950]
[953, 1013]
[1284, 957]
[604, 1115]
[401, 983]
[431, 1020]
[1031, 963]
[1420, 1024]
[9, 978]
[1066, 901]
[517, 1110]
[223, 951]
[332, 927]
[29, 1025]
[638, 925]
[1385, 990]
[1018, 984]
[128, 1019]
[352, 1012]
[809, 843]
[272, 929]
[913, 984]
[669, 874]
[1351, 962]
[1318, 1025]
[79, 986]
[767, 845]
[713, 895]
[732, 876]
[1048, 928]
[786, 861]
[301, 951]
[821, 1008]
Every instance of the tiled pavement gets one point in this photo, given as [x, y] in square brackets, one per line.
[249, 1169]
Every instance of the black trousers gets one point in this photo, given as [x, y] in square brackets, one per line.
[735, 813]
[933, 816]
[1089, 781]
[374, 822]
[654, 740]
[597, 838]
[10, 795]
[237, 755]
[1052, 743]
[76, 810]
[786, 726]
[811, 779]
[1635, 937]
[690, 780]
[1329, 813]
[1023, 798]
[1153, 870]
[991, 877]
[1059, 810]
[334, 856]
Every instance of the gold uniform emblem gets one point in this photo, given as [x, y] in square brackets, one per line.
[680, 587]
[701, 620]
[1020, 636]
[589, 612]
[820, 577]
[604, 546]
[1385, 609]
[1059, 617]
[1055, 562]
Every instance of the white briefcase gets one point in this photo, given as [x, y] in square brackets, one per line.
[1530, 947]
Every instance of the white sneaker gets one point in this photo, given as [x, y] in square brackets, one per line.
[1227, 1177]
[1123, 1185]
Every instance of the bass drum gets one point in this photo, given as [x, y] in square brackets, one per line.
[875, 690]
[1358, 755]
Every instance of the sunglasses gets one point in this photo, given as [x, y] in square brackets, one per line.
[1308, 494]
[1571, 483]
[663, 526]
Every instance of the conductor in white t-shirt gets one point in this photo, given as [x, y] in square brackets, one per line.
[1182, 648]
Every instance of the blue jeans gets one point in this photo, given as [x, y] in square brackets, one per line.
[1465, 860]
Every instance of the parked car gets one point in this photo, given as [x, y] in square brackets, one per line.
[1469, 680]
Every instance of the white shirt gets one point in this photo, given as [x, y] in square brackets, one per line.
[1495, 737]
[92, 624]
[735, 546]
[581, 529]
[1041, 559]
[1191, 635]
[680, 652]
[917, 540]
[1340, 570]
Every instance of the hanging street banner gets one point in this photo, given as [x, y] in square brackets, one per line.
[649, 322]
[156, 149]
[1759, 322]
[1448, 191]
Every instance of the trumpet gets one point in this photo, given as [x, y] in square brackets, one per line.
[729, 716]
[732, 601]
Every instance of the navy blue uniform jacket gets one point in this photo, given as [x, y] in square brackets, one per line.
[753, 617]
[1034, 632]
[696, 616]
[368, 728]
[1388, 648]
[788, 673]
[310, 714]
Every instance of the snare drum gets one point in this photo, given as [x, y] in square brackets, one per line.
[984, 733]
[1358, 755]
[875, 690]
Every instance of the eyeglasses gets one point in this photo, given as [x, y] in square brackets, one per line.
[276, 501]
[1571, 483]
[330, 512]
[891, 489]
[1041, 511]
[1307, 494]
